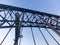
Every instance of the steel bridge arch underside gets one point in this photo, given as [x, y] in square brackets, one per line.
[15, 17]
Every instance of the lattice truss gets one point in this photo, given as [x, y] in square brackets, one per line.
[10, 16]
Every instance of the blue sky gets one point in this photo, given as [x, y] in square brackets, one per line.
[49, 6]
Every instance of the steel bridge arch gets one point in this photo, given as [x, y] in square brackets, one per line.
[18, 18]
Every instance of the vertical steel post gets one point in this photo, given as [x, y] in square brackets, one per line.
[17, 29]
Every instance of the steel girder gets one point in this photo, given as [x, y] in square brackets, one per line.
[27, 18]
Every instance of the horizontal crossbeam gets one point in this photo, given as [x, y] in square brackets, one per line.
[13, 8]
